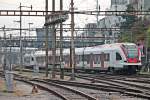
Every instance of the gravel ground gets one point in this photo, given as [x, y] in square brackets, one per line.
[23, 91]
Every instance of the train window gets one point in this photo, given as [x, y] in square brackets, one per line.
[118, 56]
[77, 59]
[57, 59]
[98, 59]
[106, 57]
[27, 60]
[86, 58]
[81, 58]
[32, 59]
[64, 59]
[95, 59]
[89, 57]
[50, 59]
[68, 58]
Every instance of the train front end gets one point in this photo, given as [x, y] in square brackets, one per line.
[132, 64]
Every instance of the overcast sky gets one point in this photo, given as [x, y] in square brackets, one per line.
[80, 20]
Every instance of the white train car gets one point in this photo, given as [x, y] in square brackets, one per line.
[117, 57]
[29, 60]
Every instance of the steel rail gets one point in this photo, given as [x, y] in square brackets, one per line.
[44, 88]
[138, 91]
[67, 88]
[111, 87]
[38, 81]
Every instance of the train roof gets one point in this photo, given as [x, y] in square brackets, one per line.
[87, 50]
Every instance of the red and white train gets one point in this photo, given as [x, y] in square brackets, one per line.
[117, 57]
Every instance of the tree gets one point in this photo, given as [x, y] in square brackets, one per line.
[140, 28]
[129, 22]
[130, 18]
[148, 37]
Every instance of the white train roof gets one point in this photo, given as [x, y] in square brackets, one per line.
[87, 50]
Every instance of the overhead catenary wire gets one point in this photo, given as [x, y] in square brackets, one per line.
[42, 13]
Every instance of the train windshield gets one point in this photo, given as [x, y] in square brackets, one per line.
[131, 51]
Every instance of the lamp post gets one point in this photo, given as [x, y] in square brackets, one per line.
[29, 28]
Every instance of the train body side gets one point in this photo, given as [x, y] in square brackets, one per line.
[108, 57]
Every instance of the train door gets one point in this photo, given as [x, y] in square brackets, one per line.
[112, 59]
[102, 59]
[32, 63]
[91, 60]
[118, 59]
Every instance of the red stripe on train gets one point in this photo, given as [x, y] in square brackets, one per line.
[132, 60]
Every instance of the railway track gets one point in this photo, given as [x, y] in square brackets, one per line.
[127, 78]
[63, 92]
[77, 86]
[131, 88]
[109, 86]
[97, 87]
[143, 82]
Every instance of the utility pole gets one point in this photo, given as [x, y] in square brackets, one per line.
[21, 48]
[131, 36]
[52, 21]
[10, 55]
[21, 59]
[146, 50]
[61, 44]
[97, 8]
[72, 52]
[29, 28]
[46, 38]
[116, 3]
[4, 50]
[53, 43]
[7, 69]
